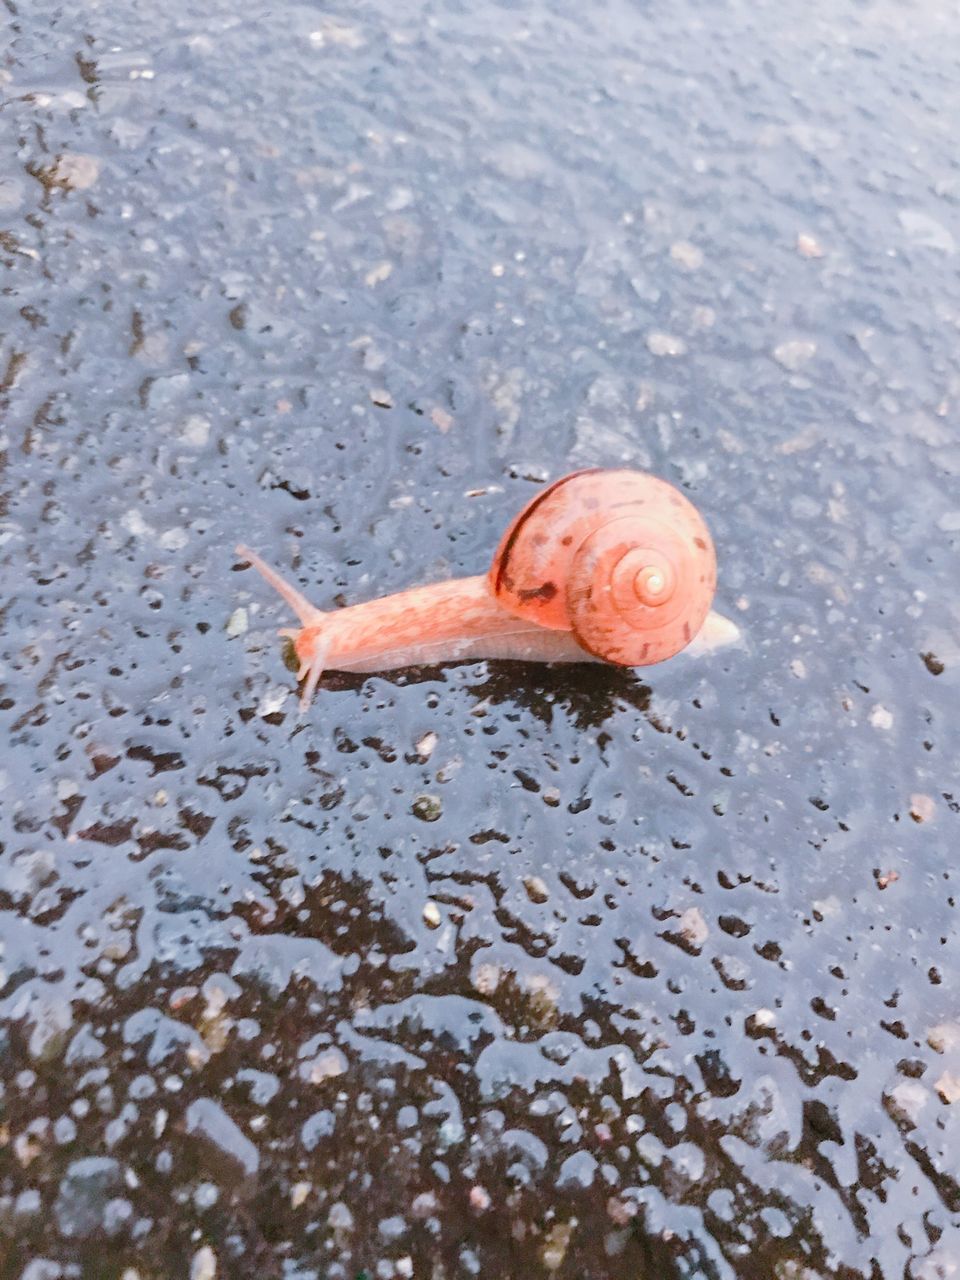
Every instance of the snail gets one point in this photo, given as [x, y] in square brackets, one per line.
[602, 565]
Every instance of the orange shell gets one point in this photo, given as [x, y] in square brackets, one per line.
[620, 558]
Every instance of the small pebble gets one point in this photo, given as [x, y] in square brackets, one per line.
[665, 344]
[206, 1195]
[944, 1036]
[948, 1087]
[621, 1212]
[905, 1101]
[204, 1264]
[340, 1218]
[556, 1243]
[424, 1205]
[273, 700]
[76, 172]
[336, 32]
[428, 808]
[195, 431]
[807, 246]
[686, 254]
[794, 355]
[693, 927]
[922, 807]
[881, 718]
[325, 1066]
[486, 978]
[237, 623]
[376, 275]
[537, 891]
[479, 1198]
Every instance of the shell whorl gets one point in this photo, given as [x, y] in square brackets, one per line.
[620, 558]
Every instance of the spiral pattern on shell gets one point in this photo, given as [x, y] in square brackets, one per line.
[618, 557]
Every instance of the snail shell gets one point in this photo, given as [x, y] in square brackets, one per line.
[620, 558]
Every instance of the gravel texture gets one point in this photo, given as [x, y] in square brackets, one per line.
[494, 970]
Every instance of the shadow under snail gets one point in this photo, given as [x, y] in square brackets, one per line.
[601, 566]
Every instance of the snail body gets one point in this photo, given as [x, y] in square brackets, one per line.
[605, 565]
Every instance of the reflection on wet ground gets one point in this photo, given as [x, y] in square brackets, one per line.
[490, 970]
